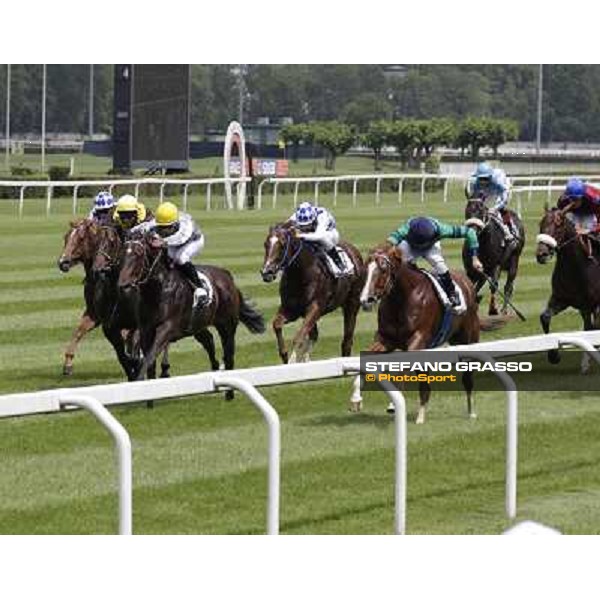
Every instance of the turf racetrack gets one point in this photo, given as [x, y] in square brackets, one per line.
[200, 463]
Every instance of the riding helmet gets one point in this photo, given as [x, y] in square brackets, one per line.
[422, 233]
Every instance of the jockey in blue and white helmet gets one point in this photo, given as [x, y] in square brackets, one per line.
[102, 210]
[316, 224]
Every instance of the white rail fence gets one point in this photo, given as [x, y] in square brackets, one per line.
[111, 184]
[308, 185]
[96, 398]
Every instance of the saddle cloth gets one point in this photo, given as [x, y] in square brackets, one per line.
[443, 297]
[207, 285]
[346, 260]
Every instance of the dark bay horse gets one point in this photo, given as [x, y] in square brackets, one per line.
[495, 255]
[307, 290]
[576, 275]
[80, 244]
[410, 313]
[116, 312]
[164, 310]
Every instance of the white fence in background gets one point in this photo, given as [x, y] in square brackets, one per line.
[111, 184]
[309, 185]
[97, 398]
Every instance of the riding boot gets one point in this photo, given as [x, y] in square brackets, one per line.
[448, 285]
[201, 296]
[337, 260]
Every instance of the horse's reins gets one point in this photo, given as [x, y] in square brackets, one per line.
[146, 262]
[288, 242]
[389, 282]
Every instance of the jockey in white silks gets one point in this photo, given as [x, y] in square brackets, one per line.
[492, 185]
[184, 240]
[104, 204]
[317, 225]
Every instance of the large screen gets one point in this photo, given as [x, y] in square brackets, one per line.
[160, 116]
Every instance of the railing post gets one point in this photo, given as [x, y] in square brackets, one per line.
[21, 200]
[208, 196]
[260, 192]
[316, 193]
[335, 192]
[75, 190]
[123, 446]
[275, 185]
[137, 190]
[378, 191]
[354, 191]
[161, 197]
[424, 177]
[446, 184]
[185, 197]
[272, 419]
[48, 199]
[400, 188]
[530, 192]
[296, 186]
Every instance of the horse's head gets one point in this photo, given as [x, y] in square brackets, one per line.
[555, 229]
[381, 263]
[277, 251]
[79, 244]
[108, 252]
[140, 258]
[475, 213]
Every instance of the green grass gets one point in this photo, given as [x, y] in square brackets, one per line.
[200, 463]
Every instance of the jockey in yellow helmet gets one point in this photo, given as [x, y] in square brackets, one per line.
[184, 240]
[129, 213]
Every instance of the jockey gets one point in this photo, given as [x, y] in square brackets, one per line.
[184, 240]
[317, 225]
[420, 237]
[488, 183]
[582, 203]
[129, 213]
[103, 208]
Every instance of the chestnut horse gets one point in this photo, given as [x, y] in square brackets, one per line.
[164, 307]
[410, 314]
[308, 290]
[576, 275]
[80, 244]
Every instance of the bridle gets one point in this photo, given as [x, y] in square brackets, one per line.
[377, 256]
[287, 258]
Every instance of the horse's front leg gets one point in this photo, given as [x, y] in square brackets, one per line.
[510, 281]
[417, 342]
[86, 324]
[493, 310]
[301, 341]
[278, 322]
[552, 309]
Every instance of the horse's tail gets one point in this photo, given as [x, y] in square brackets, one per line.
[494, 322]
[251, 317]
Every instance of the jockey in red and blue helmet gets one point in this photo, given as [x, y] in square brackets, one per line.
[581, 202]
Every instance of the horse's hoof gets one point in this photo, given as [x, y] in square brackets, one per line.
[472, 416]
[391, 409]
[285, 359]
[229, 395]
[355, 407]
[493, 312]
[68, 370]
[165, 374]
[150, 404]
[553, 357]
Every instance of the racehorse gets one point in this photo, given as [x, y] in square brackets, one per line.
[117, 313]
[410, 314]
[495, 254]
[576, 275]
[80, 244]
[308, 290]
[164, 311]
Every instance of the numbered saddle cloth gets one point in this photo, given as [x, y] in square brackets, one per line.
[346, 261]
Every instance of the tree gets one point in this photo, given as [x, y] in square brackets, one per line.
[403, 135]
[473, 134]
[294, 134]
[365, 109]
[335, 137]
[375, 138]
[432, 133]
[500, 131]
